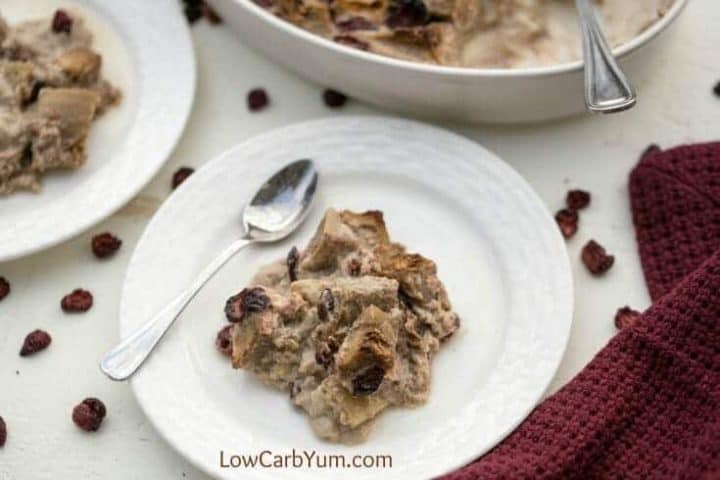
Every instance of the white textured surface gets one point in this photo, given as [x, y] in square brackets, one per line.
[127, 146]
[497, 250]
[591, 152]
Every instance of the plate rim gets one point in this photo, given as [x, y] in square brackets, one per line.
[92, 216]
[565, 268]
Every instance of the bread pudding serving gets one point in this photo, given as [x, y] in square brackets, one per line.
[51, 90]
[348, 327]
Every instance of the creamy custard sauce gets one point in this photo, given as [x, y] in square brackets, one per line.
[531, 33]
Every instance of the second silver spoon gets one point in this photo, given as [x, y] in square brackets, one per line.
[607, 89]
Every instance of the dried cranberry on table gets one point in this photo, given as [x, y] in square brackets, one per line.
[716, 89]
[626, 317]
[567, 219]
[257, 99]
[180, 175]
[577, 199]
[78, 300]
[105, 244]
[4, 288]
[249, 300]
[35, 341]
[407, 14]
[3, 432]
[62, 22]
[89, 414]
[334, 99]
[596, 259]
[223, 341]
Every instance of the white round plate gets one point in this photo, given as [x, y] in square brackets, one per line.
[148, 53]
[498, 251]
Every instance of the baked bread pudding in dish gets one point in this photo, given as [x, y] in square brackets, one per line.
[467, 33]
[348, 327]
[50, 92]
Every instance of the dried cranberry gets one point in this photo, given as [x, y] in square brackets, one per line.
[577, 199]
[255, 300]
[211, 15]
[257, 99]
[649, 150]
[350, 41]
[368, 380]
[567, 220]
[716, 89]
[105, 244]
[234, 308]
[596, 258]
[3, 432]
[326, 304]
[407, 13]
[626, 317]
[223, 341]
[292, 260]
[4, 288]
[89, 414]
[78, 300]
[181, 175]
[356, 23]
[62, 22]
[334, 99]
[249, 300]
[34, 342]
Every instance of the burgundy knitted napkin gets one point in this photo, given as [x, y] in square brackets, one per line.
[648, 405]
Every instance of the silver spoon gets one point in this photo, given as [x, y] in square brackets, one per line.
[275, 211]
[607, 89]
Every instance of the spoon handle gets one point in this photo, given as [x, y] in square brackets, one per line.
[607, 89]
[122, 361]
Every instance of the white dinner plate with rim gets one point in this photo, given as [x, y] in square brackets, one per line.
[148, 53]
[498, 251]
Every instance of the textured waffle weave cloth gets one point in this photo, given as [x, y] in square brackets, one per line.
[648, 405]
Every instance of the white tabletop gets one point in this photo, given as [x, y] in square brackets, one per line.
[37, 393]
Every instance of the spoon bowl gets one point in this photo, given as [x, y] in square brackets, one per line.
[281, 203]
